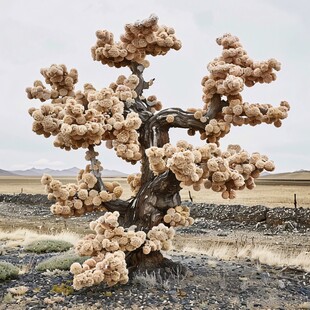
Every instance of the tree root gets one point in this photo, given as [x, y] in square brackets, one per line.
[137, 262]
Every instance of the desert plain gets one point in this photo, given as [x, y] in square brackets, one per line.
[272, 191]
[232, 265]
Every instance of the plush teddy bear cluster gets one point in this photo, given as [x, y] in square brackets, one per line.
[241, 113]
[77, 199]
[61, 81]
[109, 268]
[141, 38]
[228, 75]
[134, 181]
[81, 119]
[226, 172]
[108, 246]
[178, 216]
[124, 87]
[234, 69]
[157, 160]
[109, 237]
[215, 130]
[154, 103]
[126, 142]
[159, 238]
[122, 130]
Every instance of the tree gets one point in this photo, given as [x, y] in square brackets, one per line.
[137, 128]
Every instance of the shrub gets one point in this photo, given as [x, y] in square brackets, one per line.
[7, 271]
[60, 262]
[157, 280]
[47, 246]
[63, 289]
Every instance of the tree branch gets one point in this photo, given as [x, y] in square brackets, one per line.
[122, 206]
[157, 127]
[115, 205]
[159, 193]
[96, 172]
[140, 106]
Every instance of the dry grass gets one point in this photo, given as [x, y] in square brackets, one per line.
[22, 237]
[32, 185]
[27, 185]
[268, 195]
[260, 253]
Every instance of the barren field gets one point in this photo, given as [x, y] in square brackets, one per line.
[32, 185]
[274, 195]
[269, 192]
[230, 265]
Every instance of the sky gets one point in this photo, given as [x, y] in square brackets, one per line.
[38, 33]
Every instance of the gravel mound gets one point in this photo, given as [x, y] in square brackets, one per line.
[26, 199]
[254, 215]
[234, 214]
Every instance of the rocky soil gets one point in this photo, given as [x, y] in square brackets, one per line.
[209, 283]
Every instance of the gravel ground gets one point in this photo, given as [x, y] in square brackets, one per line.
[208, 284]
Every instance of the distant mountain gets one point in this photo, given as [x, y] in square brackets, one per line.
[265, 174]
[31, 172]
[5, 173]
[38, 172]
[106, 173]
[72, 172]
[296, 175]
[62, 173]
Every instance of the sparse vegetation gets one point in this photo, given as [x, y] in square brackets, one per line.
[48, 246]
[202, 287]
[8, 271]
[7, 298]
[156, 279]
[258, 253]
[60, 262]
[18, 290]
[23, 237]
[63, 289]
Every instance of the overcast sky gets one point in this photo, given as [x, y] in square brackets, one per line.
[38, 33]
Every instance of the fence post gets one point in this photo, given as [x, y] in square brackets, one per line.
[295, 208]
[190, 196]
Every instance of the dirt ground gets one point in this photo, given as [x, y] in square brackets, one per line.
[230, 266]
[270, 194]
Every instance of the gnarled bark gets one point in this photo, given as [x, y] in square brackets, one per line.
[158, 192]
[138, 262]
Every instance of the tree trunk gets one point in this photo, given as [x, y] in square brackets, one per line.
[137, 262]
[160, 192]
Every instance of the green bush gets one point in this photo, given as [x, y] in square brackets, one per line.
[47, 246]
[61, 262]
[7, 271]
